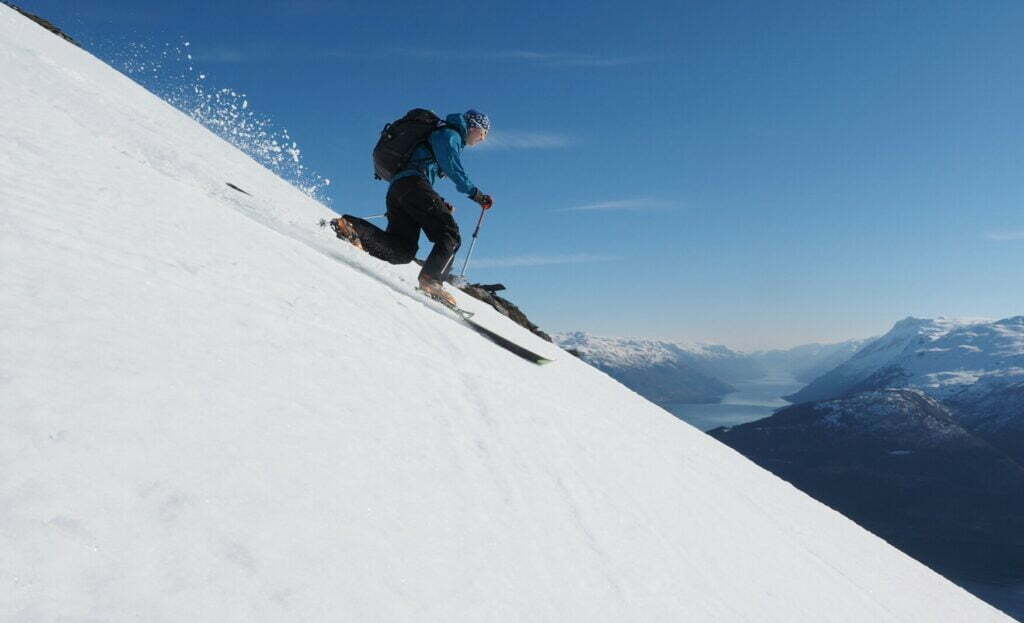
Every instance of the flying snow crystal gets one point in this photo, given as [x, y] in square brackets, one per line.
[169, 72]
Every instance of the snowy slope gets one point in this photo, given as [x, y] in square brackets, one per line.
[214, 412]
[942, 356]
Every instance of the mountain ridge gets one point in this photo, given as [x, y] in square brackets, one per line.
[942, 356]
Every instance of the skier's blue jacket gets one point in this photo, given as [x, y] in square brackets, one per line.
[447, 144]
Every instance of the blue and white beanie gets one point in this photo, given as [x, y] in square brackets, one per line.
[475, 118]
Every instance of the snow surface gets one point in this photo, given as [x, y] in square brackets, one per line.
[213, 411]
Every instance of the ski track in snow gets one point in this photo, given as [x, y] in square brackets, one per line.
[212, 411]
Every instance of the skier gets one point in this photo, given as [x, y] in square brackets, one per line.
[413, 205]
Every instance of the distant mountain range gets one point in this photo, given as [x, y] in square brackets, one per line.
[975, 367]
[664, 372]
[808, 362]
[919, 437]
[942, 357]
[899, 463]
[667, 372]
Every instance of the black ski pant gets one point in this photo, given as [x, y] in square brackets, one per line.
[412, 206]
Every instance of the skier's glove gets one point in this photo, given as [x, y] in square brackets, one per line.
[485, 201]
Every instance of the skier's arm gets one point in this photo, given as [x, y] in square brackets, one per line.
[447, 145]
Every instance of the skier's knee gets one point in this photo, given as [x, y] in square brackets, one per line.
[402, 256]
[454, 240]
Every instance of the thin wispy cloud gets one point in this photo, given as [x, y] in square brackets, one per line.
[571, 59]
[523, 140]
[548, 59]
[263, 54]
[638, 204]
[1006, 235]
[541, 260]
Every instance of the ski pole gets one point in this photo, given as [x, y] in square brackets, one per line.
[476, 232]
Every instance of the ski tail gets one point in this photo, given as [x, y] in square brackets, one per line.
[495, 338]
[508, 344]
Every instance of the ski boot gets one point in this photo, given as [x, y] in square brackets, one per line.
[344, 230]
[435, 290]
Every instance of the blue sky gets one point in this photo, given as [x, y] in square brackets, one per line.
[757, 174]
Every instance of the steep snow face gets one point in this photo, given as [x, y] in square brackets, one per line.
[941, 356]
[212, 411]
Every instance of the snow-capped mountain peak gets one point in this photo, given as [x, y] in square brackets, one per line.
[627, 351]
[942, 356]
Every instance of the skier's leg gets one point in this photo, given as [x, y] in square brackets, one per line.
[381, 244]
[403, 230]
[429, 210]
[399, 243]
[444, 233]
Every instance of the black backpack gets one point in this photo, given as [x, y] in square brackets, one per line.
[400, 138]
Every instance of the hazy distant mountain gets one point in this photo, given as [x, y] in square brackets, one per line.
[677, 372]
[809, 361]
[665, 372]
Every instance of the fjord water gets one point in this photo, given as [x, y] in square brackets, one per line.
[753, 400]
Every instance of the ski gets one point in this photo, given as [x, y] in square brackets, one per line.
[508, 344]
[466, 317]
